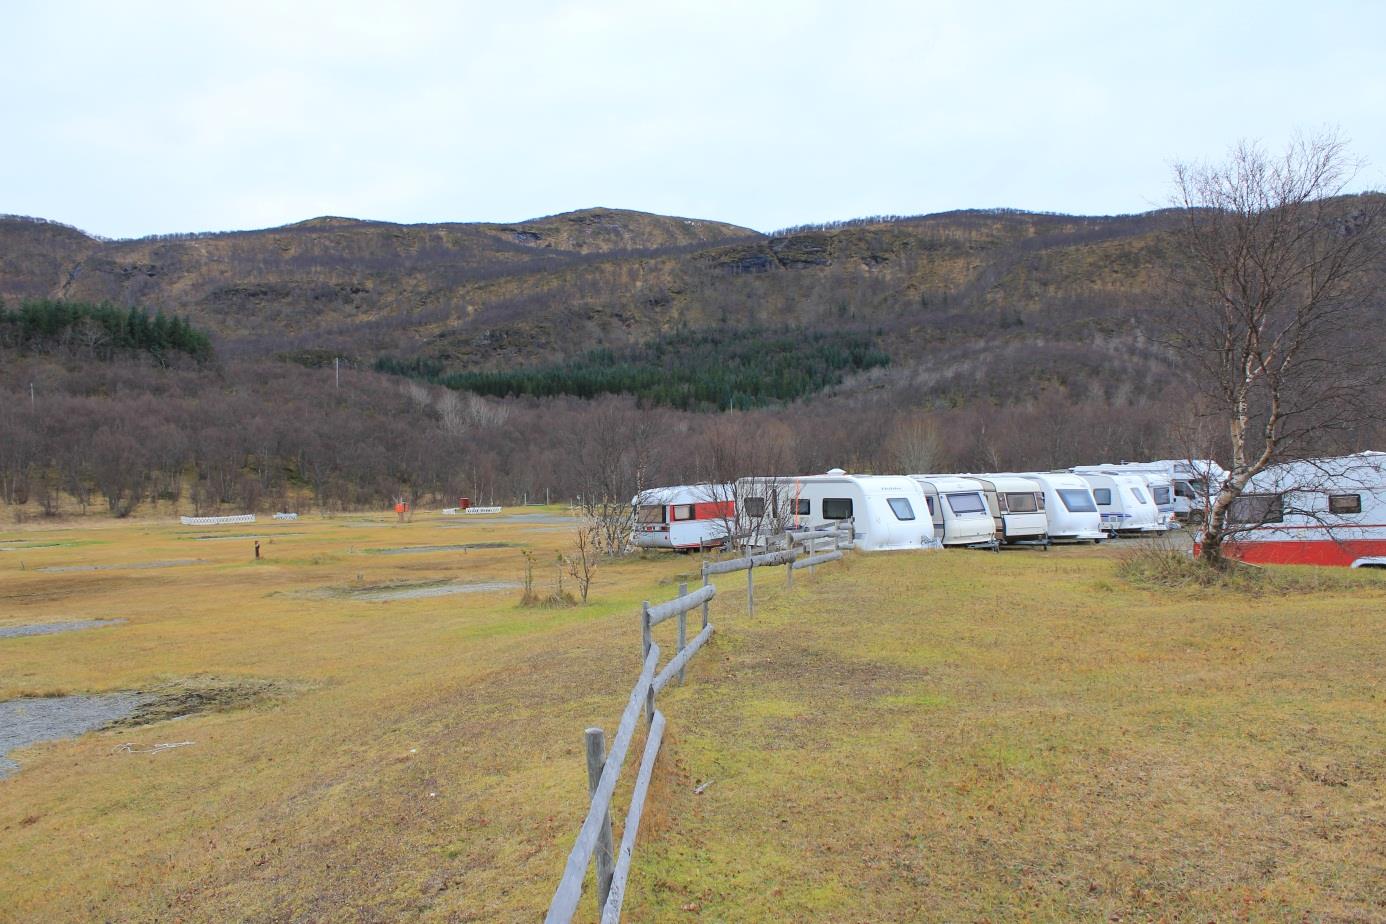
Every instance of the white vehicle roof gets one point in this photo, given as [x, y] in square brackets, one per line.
[1361, 470]
[871, 484]
[684, 494]
[1055, 479]
[949, 483]
[1008, 483]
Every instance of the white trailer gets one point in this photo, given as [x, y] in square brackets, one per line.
[683, 517]
[1193, 481]
[1314, 512]
[888, 512]
[958, 508]
[1017, 506]
[1068, 506]
[1174, 506]
[1124, 502]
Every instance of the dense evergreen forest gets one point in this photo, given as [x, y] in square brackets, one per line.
[99, 330]
[720, 369]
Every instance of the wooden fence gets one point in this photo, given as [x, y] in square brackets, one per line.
[594, 838]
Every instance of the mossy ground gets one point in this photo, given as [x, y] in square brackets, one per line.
[946, 736]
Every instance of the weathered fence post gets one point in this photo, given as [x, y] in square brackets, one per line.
[750, 586]
[789, 570]
[606, 848]
[647, 639]
[683, 628]
[705, 602]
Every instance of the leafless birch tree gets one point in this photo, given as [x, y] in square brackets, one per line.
[1277, 271]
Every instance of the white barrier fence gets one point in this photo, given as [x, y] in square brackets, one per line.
[454, 511]
[218, 521]
[286, 516]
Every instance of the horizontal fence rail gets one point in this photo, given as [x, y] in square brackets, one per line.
[594, 838]
[217, 521]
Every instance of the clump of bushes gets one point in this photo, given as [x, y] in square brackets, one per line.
[1163, 566]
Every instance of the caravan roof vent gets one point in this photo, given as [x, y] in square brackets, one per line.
[835, 471]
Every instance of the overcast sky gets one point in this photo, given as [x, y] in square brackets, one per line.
[131, 118]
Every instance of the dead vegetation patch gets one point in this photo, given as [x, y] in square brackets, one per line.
[1165, 567]
[201, 694]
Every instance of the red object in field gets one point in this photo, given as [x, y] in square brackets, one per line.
[464, 503]
[401, 507]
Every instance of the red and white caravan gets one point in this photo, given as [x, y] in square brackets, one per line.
[686, 516]
[1316, 512]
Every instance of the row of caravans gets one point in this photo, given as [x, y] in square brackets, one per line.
[1341, 521]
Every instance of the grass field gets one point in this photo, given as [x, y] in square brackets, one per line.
[947, 736]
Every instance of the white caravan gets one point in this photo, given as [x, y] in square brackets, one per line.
[1173, 505]
[888, 512]
[1017, 506]
[958, 507]
[683, 517]
[1315, 512]
[1193, 482]
[1069, 507]
[1125, 502]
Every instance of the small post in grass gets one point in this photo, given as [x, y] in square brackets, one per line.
[750, 586]
[683, 629]
[595, 741]
[647, 640]
[705, 602]
[789, 570]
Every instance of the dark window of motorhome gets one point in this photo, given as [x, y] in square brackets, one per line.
[753, 506]
[802, 507]
[1002, 505]
[1255, 509]
[929, 500]
[1184, 489]
[1139, 495]
[651, 513]
[1345, 503]
[1103, 496]
[1162, 494]
[683, 511]
[1200, 486]
[837, 508]
[1077, 500]
[1021, 502]
[902, 508]
[1039, 498]
[970, 502]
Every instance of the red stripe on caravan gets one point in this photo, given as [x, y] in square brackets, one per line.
[1306, 551]
[714, 511]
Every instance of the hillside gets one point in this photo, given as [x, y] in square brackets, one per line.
[997, 304]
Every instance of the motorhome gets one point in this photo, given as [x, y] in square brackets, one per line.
[888, 512]
[1315, 512]
[1193, 481]
[1068, 506]
[958, 508]
[1017, 507]
[683, 517]
[1125, 503]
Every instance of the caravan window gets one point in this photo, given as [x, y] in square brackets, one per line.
[753, 506]
[901, 507]
[1103, 496]
[1162, 494]
[837, 508]
[650, 513]
[1184, 489]
[1019, 502]
[1345, 503]
[1077, 500]
[802, 507]
[1255, 509]
[1139, 495]
[929, 499]
[682, 511]
[971, 502]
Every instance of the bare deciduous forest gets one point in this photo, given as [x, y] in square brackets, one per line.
[1006, 340]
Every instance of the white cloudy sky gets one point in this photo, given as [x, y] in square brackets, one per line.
[130, 118]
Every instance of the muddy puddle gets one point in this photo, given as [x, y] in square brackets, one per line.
[411, 549]
[384, 593]
[31, 720]
[126, 566]
[52, 628]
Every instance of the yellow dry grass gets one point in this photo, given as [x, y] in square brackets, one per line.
[952, 736]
